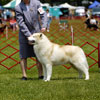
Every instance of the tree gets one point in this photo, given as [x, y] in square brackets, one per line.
[3, 2]
[72, 2]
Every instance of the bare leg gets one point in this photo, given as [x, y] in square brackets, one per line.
[39, 67]
[23, 64]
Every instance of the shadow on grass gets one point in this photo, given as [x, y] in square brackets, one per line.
[59, 78]
[29, 79]
[65, 78]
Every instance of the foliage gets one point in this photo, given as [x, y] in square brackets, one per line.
[3, 2]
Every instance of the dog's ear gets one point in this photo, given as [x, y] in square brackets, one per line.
[40, 35]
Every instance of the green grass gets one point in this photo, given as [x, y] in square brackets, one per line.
[64, 84]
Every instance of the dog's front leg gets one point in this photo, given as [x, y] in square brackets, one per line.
[49, 71]
[44, 72]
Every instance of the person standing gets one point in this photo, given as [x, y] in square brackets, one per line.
[2, 24]
[28, 15]
[87, 18]
[87, 13]
[49, 19]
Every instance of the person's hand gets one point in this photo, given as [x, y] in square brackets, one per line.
[29, 40]
[43, 29]
[29, 37]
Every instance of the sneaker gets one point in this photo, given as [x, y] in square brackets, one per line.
[47, 30]
[24, 78]
[41, 77]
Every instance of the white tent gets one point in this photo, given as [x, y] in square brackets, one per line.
[66, 5]
[45, 4]
[12, 4]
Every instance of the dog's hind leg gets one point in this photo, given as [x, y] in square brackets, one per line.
[85, 69]
[49, 71]
[80, 74]
[86, 72]
[82, 68]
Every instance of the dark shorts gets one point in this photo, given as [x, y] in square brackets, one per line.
[26, 50]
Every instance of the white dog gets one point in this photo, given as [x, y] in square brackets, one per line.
[50, 54]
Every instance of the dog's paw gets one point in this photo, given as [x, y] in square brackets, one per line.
[46, 80]
[87, 79]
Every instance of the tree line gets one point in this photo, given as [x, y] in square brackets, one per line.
[72, 2]
[52, 2]
[3, 2]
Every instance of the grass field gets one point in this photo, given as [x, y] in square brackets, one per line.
[64, 84]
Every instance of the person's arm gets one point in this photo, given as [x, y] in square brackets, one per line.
[21, 22]
[43, 17]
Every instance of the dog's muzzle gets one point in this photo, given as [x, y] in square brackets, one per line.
[31, 41]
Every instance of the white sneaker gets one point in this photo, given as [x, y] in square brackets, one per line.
[47, 30]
